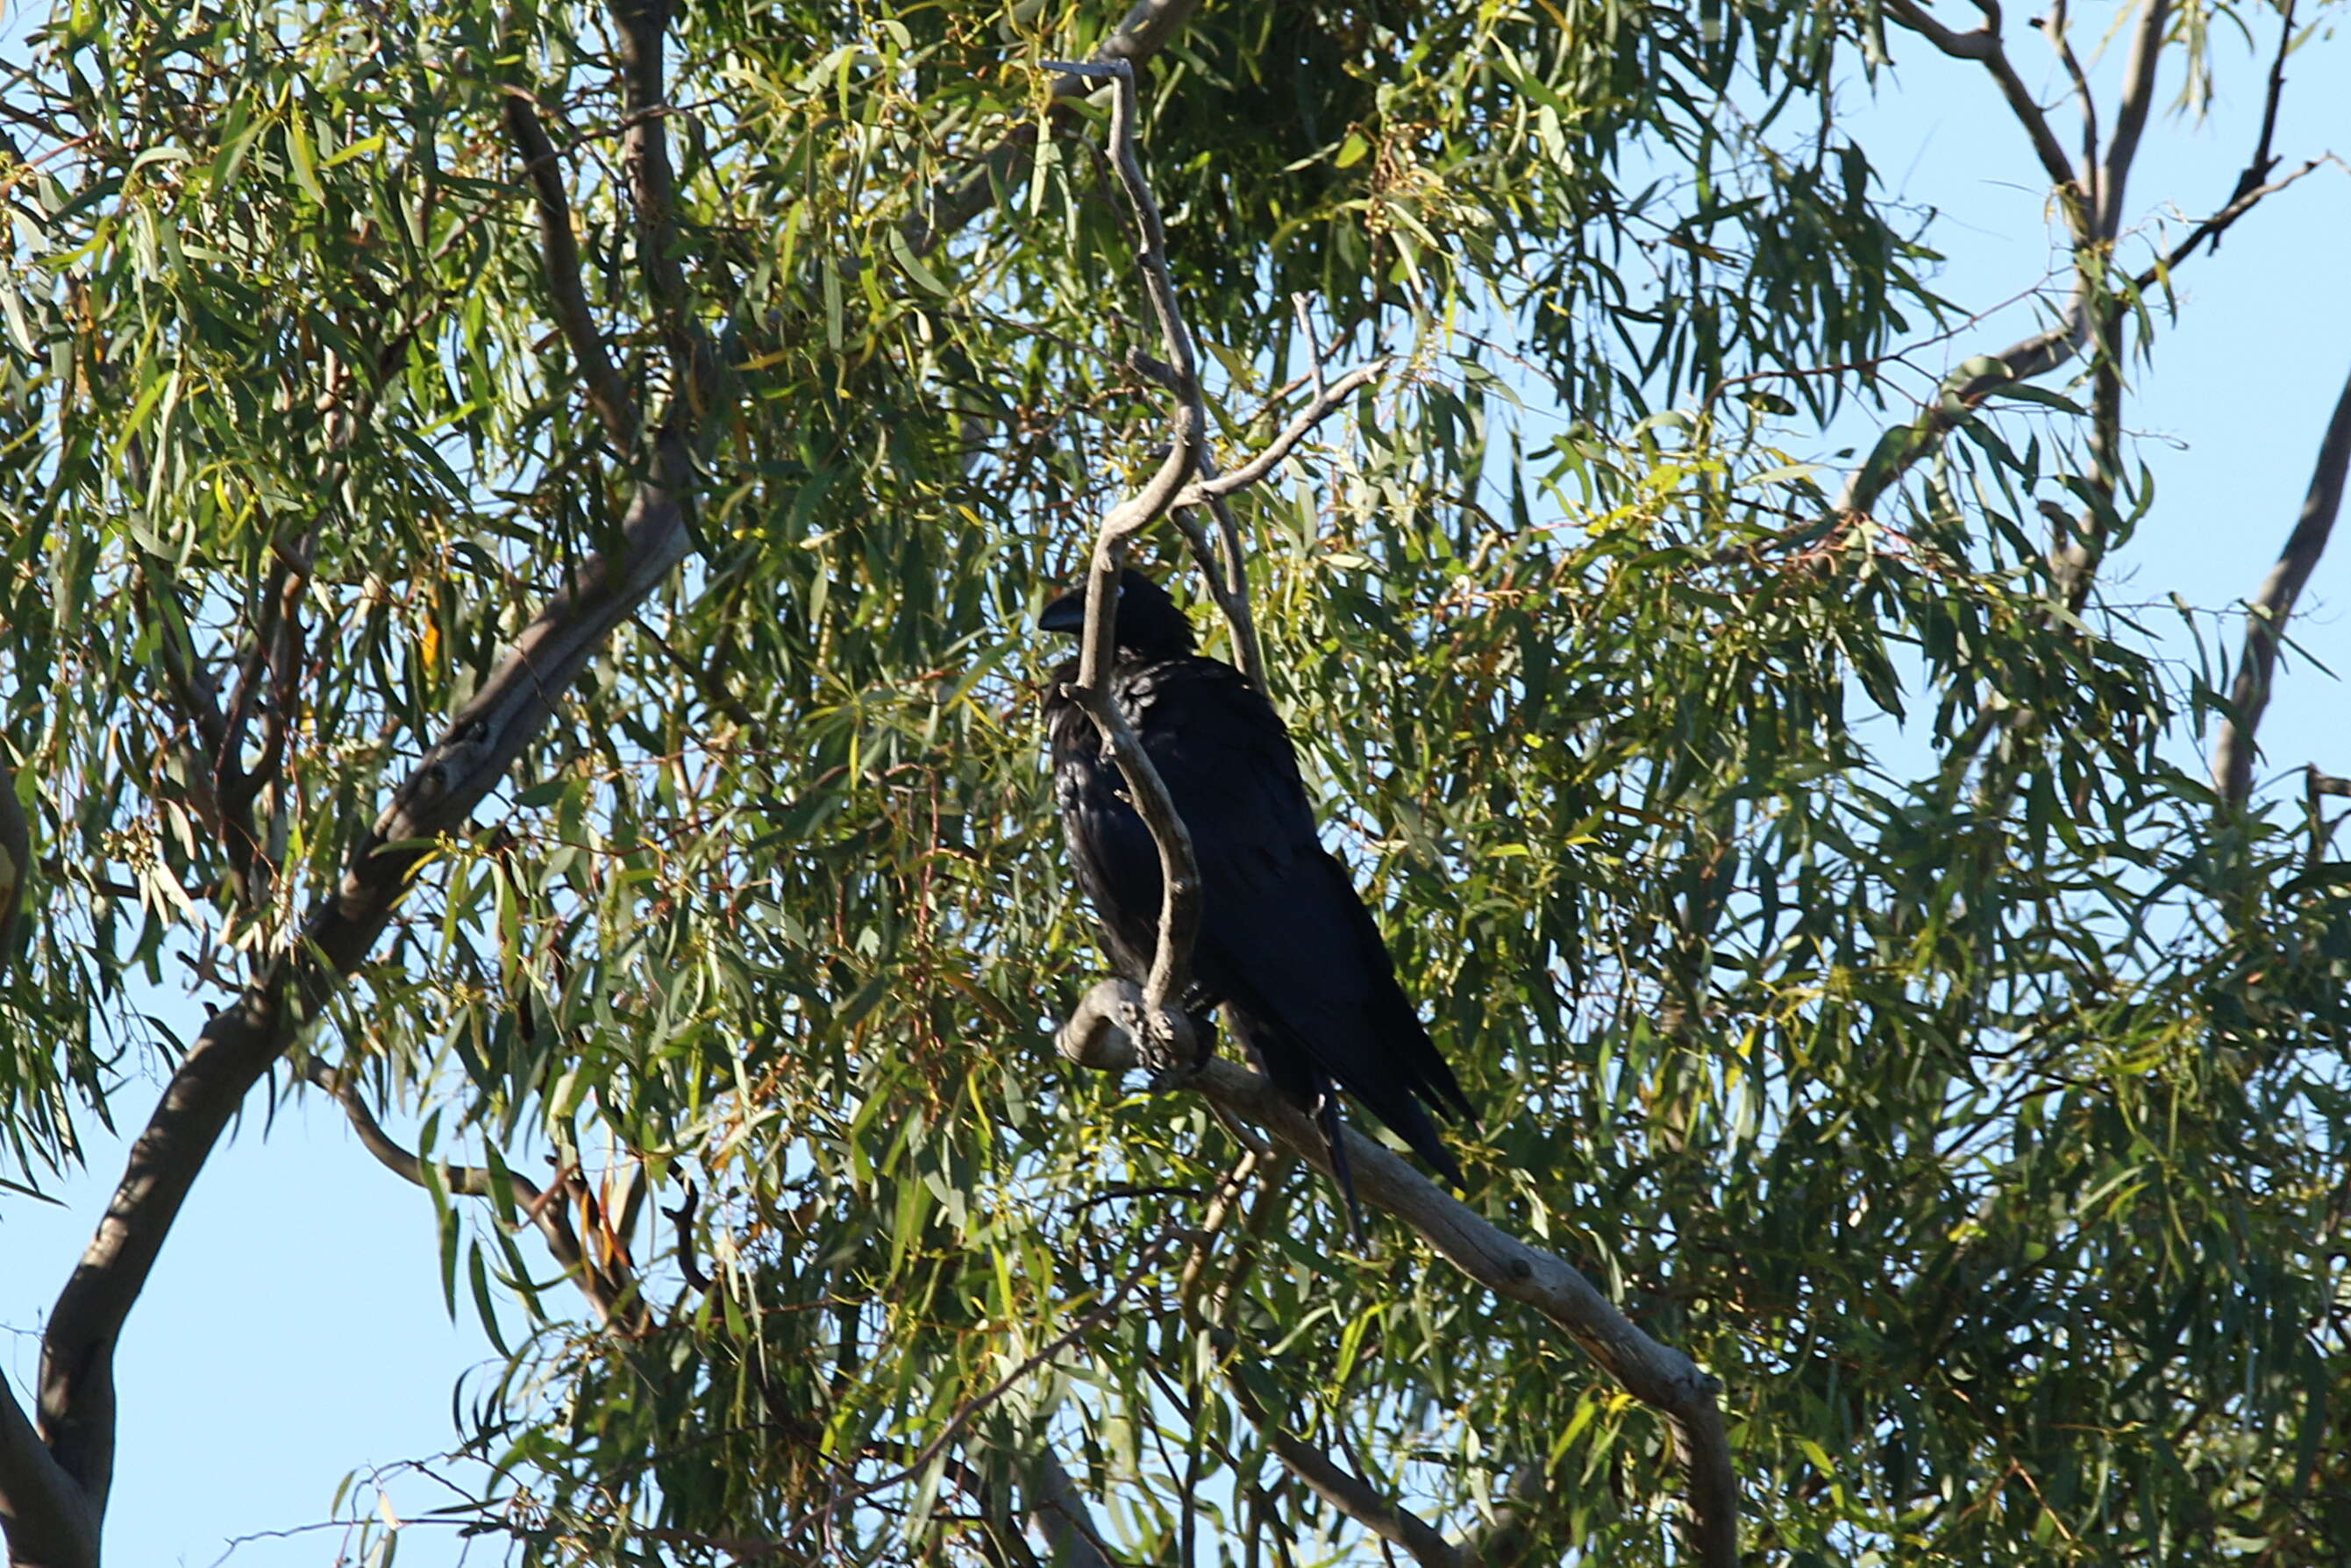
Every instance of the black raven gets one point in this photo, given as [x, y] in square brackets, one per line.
[1284, 943]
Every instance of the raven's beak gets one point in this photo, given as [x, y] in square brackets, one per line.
[1067, 613]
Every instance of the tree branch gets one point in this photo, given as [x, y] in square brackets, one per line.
[611, 1293]
[2130, 119]
[1098, 1035]
[2057, 25]
[1345, 1491]
[1141, 33]
[46, 1521]
[1058, 1511]
[643, 27]
[1212, 487]
[1164, 1025]
[1964, 392]
[16, 863]
[558, 250]
[1985, 47]
[2266, 614]
[2248, 196]
[1503, 1543]
[1978, 378]
[240, 1044]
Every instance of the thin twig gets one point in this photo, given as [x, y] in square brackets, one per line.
[1325, 403]
[972, 1408]
[609, 1291]
[2058, 28]
[1985, 47]
[1142, 33]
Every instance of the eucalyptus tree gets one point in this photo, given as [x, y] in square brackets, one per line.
[522, 528]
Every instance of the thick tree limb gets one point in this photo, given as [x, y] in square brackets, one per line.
[1098, 1035]
[46, 1519]
[1141, 33]
[643, 27]
[610, 1290]
[240, 1044]
[2268, 611]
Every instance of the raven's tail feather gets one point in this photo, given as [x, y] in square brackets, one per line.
[1326, 1116]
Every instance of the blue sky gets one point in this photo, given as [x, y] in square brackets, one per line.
[295, 1332]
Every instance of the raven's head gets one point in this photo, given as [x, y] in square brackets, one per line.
[1148, 622]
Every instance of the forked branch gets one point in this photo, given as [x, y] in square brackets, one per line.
[1176, 484]
[1142, 33]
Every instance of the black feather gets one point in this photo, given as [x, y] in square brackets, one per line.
[1285, 944]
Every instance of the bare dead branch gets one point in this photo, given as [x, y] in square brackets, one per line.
[1179, 913]
[1141, 33]
[2267, 612]
[2131, 118]
[558, 251]
[1098, 1035]
[610, 1293]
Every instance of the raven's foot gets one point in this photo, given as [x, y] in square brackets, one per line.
[1177, 1074]
[1113, 1029]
